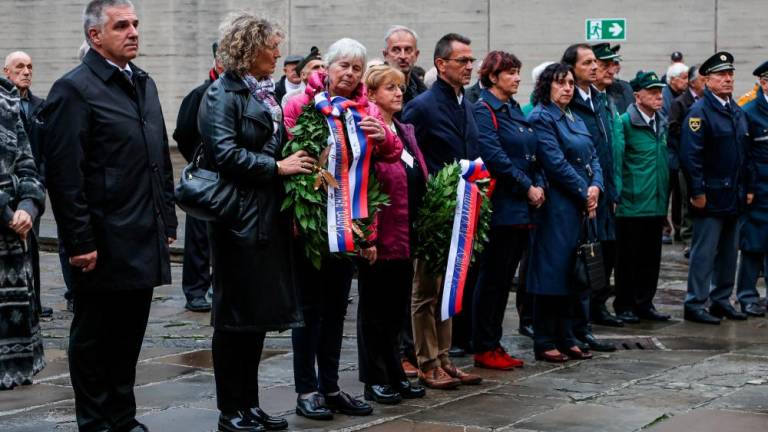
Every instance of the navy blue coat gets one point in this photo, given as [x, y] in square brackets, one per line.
[713, 147]
[754, 229]
[599, 123]
[567, 156]
[445, 129]
[509, 153]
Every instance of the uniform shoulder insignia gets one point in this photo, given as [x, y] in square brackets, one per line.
[694, 123]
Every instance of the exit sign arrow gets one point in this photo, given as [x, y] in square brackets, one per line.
[606, 29]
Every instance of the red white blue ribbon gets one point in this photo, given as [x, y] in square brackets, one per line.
[350, 200]
[468, 202]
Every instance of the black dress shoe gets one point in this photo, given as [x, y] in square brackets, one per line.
[457, 352]
[596, 345]
[526, 330]
[726, 310]
[198, 304]
[628, 317]
[753, 309]
[700, 316]
[346, 404]
[410, 391]
[269, 422]
[382, 394]
[238, 422]
[46, 312]
[603, 317]
[653, 315]
[313, 408]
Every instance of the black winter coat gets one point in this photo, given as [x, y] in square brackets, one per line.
[33, 127]
[186, 135]
[109, 174]
[252, 266]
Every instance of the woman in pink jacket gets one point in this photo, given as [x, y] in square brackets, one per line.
[324, 292]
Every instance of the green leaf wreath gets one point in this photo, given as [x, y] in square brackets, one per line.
[306, 194]
[434, 222]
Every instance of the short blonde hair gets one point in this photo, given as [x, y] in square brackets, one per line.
[243, 35]
[380, 75]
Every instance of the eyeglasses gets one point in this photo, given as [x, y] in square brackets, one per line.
[464, 61]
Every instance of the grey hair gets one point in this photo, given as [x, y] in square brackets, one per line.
[9, 57]
[676, 69]
[345, 48]
[83, 50]
[397, 29]
[93, 15]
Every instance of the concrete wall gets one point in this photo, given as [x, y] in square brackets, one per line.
[176, 35]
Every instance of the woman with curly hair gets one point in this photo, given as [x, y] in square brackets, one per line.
[324, 292]
[242, 135]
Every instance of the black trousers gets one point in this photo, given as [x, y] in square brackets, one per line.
[461, 335]
[236, 357]
[676, 196]
[599, 298]
[104, 344]
[553, 322]
[324, 296]
[639, 260]
[196, 274]
[385, 289]
[497, 266]
[34, 254]
[523, 300]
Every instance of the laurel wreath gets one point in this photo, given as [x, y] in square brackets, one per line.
[434, 222]
[306, 194]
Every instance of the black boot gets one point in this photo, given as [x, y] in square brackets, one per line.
[269, 422]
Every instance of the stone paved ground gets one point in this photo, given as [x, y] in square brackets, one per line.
[688, 377]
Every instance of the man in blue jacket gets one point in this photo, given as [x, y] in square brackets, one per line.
[713, 150]
[446, 132]
[753, 234]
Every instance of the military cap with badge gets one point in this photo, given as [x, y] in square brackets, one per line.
[646, 80]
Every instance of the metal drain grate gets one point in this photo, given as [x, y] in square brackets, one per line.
[637, 343]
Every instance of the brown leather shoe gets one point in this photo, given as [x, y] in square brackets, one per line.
[465, 378]
[409, 369]
[437, 378]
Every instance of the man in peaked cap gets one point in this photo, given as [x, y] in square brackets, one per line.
[753, 234]
[714, 143]
[642, 210]
[620, 91]
[290, 80]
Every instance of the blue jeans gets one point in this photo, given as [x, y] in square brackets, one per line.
[749, 270]
[712, 265]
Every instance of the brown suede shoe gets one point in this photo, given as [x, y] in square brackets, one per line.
[465, 378]
[437, 379]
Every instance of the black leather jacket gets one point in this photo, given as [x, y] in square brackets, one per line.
[253, 269]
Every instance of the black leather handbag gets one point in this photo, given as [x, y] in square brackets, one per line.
[204, 195]
[589, 268]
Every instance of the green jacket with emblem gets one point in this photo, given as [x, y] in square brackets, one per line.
[644, 173]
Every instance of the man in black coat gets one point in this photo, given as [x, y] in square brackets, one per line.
[290, 80]
[18, 69]
[196, 272]
[111, 186]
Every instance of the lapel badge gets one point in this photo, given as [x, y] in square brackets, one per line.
[694, 123]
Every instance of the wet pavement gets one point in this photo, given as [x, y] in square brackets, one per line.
[674, 376]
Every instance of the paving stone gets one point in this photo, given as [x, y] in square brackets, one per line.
[705, 420]
[147, 373]
[411, 426]
[175, 393]
[181, 420]
[752, 398]
[32, 395]
[591, 418]
[666, 398]
[485, 410]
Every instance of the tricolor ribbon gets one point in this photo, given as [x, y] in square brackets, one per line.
[350, 200]
[468, 202]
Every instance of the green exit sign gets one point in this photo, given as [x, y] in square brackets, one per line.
[601, 29]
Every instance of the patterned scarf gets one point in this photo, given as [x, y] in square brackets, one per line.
[264, 91]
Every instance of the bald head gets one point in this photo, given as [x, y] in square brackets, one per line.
[18, 69]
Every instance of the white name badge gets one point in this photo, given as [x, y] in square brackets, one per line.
[407, 158]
